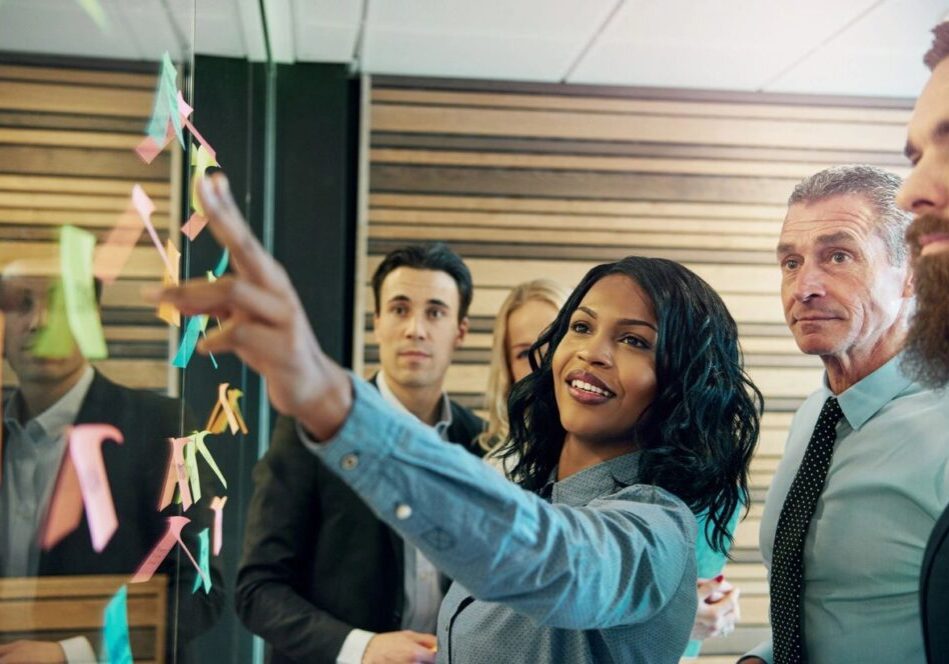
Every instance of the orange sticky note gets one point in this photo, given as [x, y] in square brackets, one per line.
[85, 450]
[113, 254]
[65, 506]
[176, 474]
[160, 551]
[167, 312]
[226, 411]
[193, 227]
[217, 506]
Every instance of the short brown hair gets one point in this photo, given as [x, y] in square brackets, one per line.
[940, 48]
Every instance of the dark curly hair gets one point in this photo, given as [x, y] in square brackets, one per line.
[698, 435]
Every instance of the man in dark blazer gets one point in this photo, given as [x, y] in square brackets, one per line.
[52, 394]
[925, 192]
[322, 579]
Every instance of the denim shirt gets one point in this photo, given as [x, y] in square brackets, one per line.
[605, 572]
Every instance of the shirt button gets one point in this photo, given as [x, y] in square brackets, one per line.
[403, 511]
[350, 461]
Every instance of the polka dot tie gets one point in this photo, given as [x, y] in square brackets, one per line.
[787, 561]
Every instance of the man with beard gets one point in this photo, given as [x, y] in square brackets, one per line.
[926, 193]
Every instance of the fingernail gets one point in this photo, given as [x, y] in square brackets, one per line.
[719, 578]
[207, 192]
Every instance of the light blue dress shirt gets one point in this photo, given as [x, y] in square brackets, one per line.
[605, 568]
[887, 485]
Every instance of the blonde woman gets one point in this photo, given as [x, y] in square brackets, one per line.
[526, 312]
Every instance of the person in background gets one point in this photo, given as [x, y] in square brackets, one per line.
[627, 427]
[865, 474]
[925, 193]
[53, 394]
[322, 578]
[526, 312]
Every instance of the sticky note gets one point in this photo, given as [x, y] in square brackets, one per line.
[65, 506]
[111, 256]
[95, 12]
[166, 311]
[193, 227]
[189, 340]
[201, 159]
[176, 474]
[184, 111]
[226, 412]
[115, 629]
[55, 338]
[204, 557]
[144, 206]
[202, 449]
[149, 148]
[165, 106]
[85, 450]
[217, 506]
[76, 248]
[221, 263]
[160, 551]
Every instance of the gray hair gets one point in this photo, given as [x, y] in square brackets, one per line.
[877, 186]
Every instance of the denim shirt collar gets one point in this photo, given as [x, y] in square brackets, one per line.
[587, 485]
[864, 399]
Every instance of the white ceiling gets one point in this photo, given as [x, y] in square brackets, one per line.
[853, 47]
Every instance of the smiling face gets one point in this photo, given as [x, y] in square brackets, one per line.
[524, 325]
[842, 296]
[604, 368]
[417, 327]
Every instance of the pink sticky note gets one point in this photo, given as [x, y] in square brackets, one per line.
[176, 474]
[184, 110]
[113, 254]
[85, 450]
[194, 226]
[217, 505]
[149, 148]
[160, 551]
[144, 206]
[65, 507]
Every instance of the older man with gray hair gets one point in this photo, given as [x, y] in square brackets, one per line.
[865, 472]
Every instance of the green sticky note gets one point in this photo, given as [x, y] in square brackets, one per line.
[75, 255]
[55, 339]
[191, 467]
[115, 630]
[204, 555]
[165, 106]
[206, 453]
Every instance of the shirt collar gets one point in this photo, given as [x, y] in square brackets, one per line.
[590, 483]
[54, 420]
[866, 397]
[444, 419]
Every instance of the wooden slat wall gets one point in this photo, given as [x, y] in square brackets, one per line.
[530, 180]
[66, 157]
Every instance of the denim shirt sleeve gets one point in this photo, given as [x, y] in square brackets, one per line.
[616, 561]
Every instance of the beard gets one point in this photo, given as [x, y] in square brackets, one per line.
[927, 346]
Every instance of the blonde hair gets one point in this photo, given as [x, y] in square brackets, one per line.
[499, 378]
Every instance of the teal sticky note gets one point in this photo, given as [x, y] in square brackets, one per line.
[76, 248]
[189, 340]
[165, 106]
[222, 263]
[204, 554]
[115, 630]
[55, 339]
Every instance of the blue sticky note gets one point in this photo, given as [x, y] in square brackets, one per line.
[115, 630]
[222, 263]
[189, 340]
[204, 554]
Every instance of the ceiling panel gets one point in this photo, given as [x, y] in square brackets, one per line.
[880, 55]
[738, 45]
[325, 30]
[531, 39]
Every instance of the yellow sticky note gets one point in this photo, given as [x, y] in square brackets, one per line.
[201, 159]
[55, 339]
[167, 312]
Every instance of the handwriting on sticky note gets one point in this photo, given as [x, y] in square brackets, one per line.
[204, 565]
[217, 506]
[160, 551]
[115, 629]
[85, 450]
[113, 254]
[65, 506]
[166, 311]
[226, 412]
[176, 474]
[76, 248]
